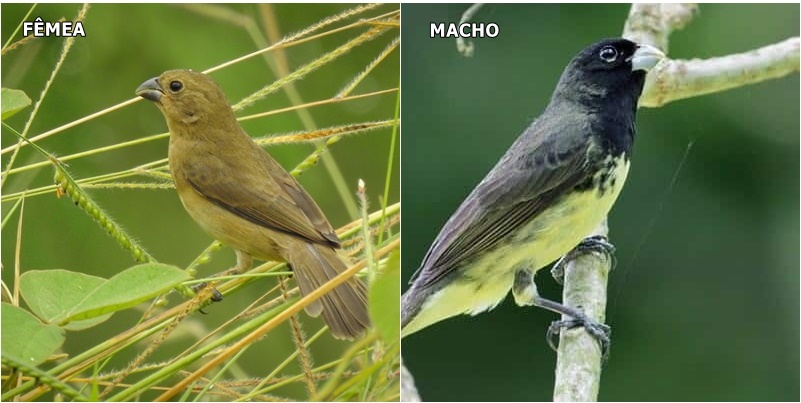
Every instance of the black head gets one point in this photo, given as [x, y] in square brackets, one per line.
[609, 69]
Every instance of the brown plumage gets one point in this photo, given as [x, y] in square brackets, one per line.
[244, 198]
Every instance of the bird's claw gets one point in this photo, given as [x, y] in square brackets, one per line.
[216, 296]
[601, 332]
[597, 243]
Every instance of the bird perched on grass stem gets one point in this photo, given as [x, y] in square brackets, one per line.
[242, 197]
[553, 186]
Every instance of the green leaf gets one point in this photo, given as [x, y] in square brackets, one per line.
[78, 301]
[384, 299]
[25, 338]
[128, 288]
[51, 294]
[13, 101]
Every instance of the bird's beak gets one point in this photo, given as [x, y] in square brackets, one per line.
[645, 58]
[150, 90]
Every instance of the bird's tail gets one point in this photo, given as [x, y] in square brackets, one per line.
[344, 308]
[411, 304]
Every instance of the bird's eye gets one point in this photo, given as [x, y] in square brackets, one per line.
[176, 86]
[608, 54]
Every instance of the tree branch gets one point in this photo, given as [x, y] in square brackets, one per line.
[578, 360]
[653, 23]
[466, 48]
[672, 80]
[578, 366]
[408, 390]
[679, 79]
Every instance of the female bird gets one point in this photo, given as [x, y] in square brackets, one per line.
[242, 197]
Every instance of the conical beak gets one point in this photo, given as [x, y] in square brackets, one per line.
[150, 90]
[645, 58]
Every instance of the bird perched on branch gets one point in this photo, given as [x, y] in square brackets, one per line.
[553, 186]
[242, 197]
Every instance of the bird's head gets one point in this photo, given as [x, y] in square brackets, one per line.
[608, 68]
[186, 97]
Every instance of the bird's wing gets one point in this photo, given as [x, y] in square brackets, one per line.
[268, 196]
[549, 159]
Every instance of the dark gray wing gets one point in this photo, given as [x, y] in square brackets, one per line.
[551, 157]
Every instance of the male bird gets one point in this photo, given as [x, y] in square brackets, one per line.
[551, 189]
[242, 197]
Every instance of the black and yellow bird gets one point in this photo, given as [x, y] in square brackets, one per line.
[242, 197]
[553, 186]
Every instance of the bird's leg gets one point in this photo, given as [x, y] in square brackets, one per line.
[524, 289]
[598, 244]
[244, 262]
[525, 293]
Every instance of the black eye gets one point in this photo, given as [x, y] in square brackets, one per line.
[608, 54]
[176, 86]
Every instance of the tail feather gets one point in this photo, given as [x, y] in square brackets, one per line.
[411, 304]
[344, 309]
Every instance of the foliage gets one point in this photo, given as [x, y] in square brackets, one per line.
[86, 118]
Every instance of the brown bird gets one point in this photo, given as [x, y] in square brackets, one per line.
[245, 199]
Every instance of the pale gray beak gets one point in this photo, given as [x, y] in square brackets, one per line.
[645, 58]
[150, 90]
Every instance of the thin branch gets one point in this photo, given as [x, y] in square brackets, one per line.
[270, 324]
[653, 23]
[466, 48]
[672, 80]
[298, 337]
[408, 390]
[578, 360]
[65, 50]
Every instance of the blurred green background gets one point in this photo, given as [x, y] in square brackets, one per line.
[704, 302]
[128, 44]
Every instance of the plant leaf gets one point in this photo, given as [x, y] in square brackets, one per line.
[384, 299]
[128, 288]
[77, 301]
[25, 338]
[13, 101]
[51, 294]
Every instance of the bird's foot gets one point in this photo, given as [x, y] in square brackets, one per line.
[216, 296]
[598, 244]
[576, 318]
[244, 262]
[601, 332]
